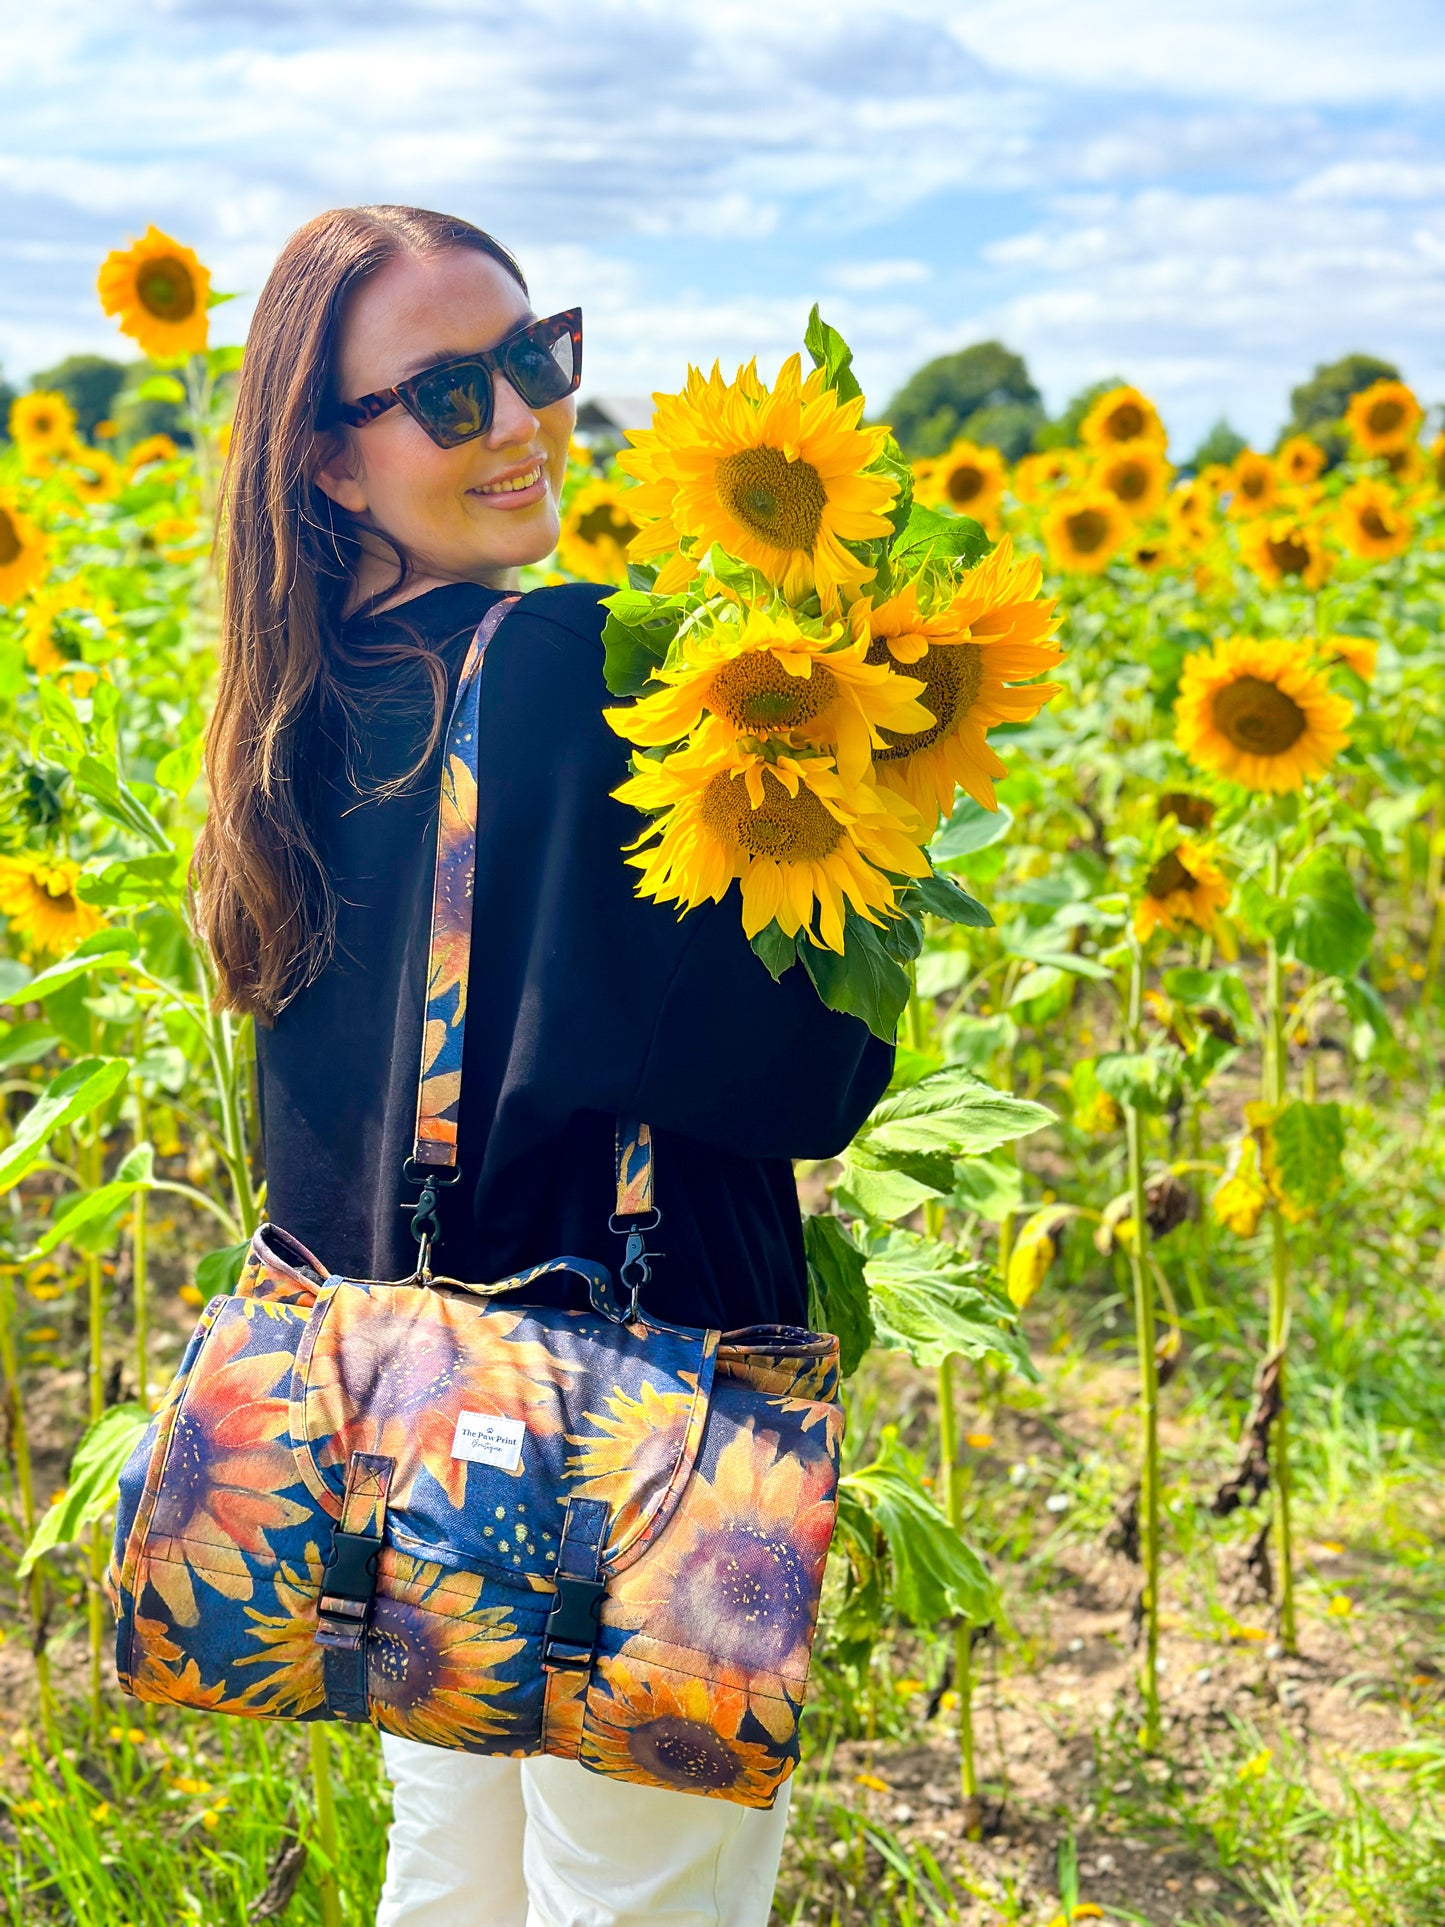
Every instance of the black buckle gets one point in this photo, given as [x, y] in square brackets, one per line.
[569, 1640]
[348, 1586]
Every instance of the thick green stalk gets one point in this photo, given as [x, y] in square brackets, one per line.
[328, 1893]
[140, 1257]
[95, 1295]
[951, 1496]
[1274, 1080]
[1145, 1340]
[235, 1152]
[25, 1485]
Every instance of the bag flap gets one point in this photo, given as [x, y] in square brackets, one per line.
[495, 1417]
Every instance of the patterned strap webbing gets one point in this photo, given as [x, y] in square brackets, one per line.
[348, 1584]
[449, 960]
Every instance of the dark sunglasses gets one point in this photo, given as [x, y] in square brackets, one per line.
[454, 401]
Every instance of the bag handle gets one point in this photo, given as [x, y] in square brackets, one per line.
[433, 1160]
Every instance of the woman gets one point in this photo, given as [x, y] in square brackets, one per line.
[365, 537]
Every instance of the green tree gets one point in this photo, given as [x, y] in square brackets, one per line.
[1064, 432]
[1221, 444]
[1318, 405]
[8, 395]
[984, 392]
[90, 383]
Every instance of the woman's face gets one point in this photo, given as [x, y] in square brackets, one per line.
[449, 510]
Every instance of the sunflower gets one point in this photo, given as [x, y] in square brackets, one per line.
[993, 631]
[765, 677]
[1408, 467]
[94, 475]
[596, 529]
[1186, 885]
[1189, 510]
[637, 1444]
[152, 448]
[1254, 484]
[1122, 415]
[1437, 462]
[735, 1573]
[789, 829]
[668, 1730]
[1242, 1196]
[1189, 811]
[1300, 459]
[37, 896]
[970, 479]
[1371, 522]
[23, 551]
[1037, 475]
[1151, 555]
[1285, 550]
[1083, 531]
[1256, 712]
[1355, 652]
[779, 479]
[1383, 416]
[55, 610]
[433, 1665]
[159, 292]
[41, 424]
[1135, 474]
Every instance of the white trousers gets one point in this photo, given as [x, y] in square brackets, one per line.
[478, 1841]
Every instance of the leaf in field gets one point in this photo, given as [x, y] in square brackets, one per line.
[865, 981]
[1308, 1147]
[103, 784]
[930, 536]
[136, 881]
[1330, 930]
[991, 1186]
[838, 1288]
[882, 1196]
[831, 353]
[1145, 1081]
[14, 976]
[777, 952]
[1068, 962]
[25, 1043]
[636, 637]
[937, 1576]
[952, 1111]
[1212, 990]
[970, 828]
[941, 897]
[91, 1489]
[1038, 981]
[75, 1093]
[87, 1219]
[930, 1302]
[69, 968]
[218, 1272]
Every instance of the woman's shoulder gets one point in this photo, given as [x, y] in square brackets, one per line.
[573, 606]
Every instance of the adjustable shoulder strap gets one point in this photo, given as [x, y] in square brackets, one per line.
[449, 960]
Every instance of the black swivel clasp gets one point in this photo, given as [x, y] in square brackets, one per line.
[425, 1223]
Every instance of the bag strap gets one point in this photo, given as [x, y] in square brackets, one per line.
[433, 1160]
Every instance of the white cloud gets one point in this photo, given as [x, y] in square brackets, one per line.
[872, 277]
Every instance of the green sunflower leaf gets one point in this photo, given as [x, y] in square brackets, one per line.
[1330, 930]
[955, 1112]
[1309, 1151]
[94, 1480]
[837, 1288]
[937, 1576]
[940, 896]
[931, 1302]
[865, 981]
[970, 828]
[831, 353]
[931, 536]
[778, 953]
[79, 1090]
[636, 637]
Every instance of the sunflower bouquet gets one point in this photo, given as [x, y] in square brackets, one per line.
[815, 661]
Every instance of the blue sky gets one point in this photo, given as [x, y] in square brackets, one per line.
[1207, 196]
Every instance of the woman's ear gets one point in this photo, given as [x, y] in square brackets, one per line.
[337, 472]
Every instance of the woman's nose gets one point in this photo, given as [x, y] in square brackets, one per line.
[512, 420]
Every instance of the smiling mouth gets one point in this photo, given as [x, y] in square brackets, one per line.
[513, 485]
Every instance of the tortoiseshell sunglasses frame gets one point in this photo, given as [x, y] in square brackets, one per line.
[546, 332]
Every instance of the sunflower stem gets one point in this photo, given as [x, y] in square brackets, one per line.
[1142, 1273]
[140, 1256]
[328, 1893]
[1274, 1081]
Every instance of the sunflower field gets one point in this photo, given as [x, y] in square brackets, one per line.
[1119, 793]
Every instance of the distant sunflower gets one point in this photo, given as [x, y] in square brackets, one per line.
[1241, 1198]
[37, 897]
[42, 423]
[158, 291]
[1036, 476]
[1121, 415]
[993, 632]
[790, 831]
[1300, 459]
[1285, 550]
[55, 612]
[780, 479]
[1084, 530]
[1383, 416]
[94, 475]
[970, 479]
[1189, 811]
[1151, 554]
[1186, 886]
[23, 551]
[1371, 522]
[766, 677]
[596, 529]
[1189, 510]
[1253, 483]
[153, 448]
[1255, 711]
[1136, 474]
[1355, 652]
[1408, 466]
[1437, 462]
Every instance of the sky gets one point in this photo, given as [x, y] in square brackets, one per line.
[1206, 197]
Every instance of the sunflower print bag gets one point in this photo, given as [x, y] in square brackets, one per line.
[482, 1526]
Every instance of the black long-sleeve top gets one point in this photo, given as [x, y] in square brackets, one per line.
[586, 1002]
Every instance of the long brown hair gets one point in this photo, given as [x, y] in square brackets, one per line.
[264, 900]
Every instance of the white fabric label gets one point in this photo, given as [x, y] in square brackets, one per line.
[489, 1440]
